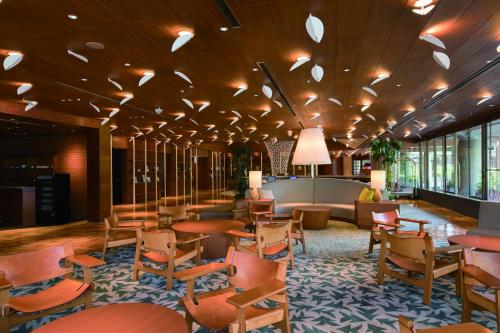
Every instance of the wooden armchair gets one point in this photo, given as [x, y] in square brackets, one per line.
[390, 222]
[298, 231]
[407, 326]
[481, 269]
[170, 215]
[41, 265]
[270, 239]
[251, 212]
[251, 280]
[115, 227]
[417, 256]
[161, 247]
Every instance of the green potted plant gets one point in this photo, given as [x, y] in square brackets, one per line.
[241, 163]
[384, 153]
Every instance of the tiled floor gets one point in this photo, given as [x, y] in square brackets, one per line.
[87, 236]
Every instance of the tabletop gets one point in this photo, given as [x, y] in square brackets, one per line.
[118, 318]
[313, 208]
[208, 226]
[487, 243]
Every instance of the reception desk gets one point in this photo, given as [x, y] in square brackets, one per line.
[17, 206]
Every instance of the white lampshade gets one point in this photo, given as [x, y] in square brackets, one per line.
[377, 179]
[311, 148]
[255, 179]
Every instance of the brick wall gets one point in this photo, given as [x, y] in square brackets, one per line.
[69, 154]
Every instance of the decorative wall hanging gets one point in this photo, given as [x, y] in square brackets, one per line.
[279, 154]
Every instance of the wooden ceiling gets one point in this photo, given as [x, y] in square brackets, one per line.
[362, 39]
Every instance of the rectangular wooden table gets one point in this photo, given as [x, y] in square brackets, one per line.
[363, 211]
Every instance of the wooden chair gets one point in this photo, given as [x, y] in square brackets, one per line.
[407, 326]
[115, 227]
[161, 248]
[390, 222]
[251, 280]
[417, 255]
[170, 215]
[298, 232]
[270, 239]
[252, 212]
[481, 269]
[23, 269]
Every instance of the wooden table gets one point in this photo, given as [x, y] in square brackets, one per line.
[486, 243]
[217, 244]
[315, 217]
[279, 216]
[118, 318]
[363, 211]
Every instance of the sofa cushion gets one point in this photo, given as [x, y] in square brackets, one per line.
[366, 195]
[265, 194]
[334, 190]
[484, 232]
[291, 190]
[288, 207]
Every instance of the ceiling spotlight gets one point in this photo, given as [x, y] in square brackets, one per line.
[498, 49]
[148, 75]
[224, 29]
[12, 60]
[347, 69]
[84, 79]
[300, 61]
[127, 64]
[381, 77]
[127, 98]
[255, 69]
[398, 85]
[72, 17]
[241, 88]
[484, 99]
[23, 88]
[184, 37]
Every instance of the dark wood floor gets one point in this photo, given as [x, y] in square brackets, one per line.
[89, 236]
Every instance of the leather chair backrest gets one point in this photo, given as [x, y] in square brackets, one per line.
[409, 246]
[487, 261]
[270, 234]
[157, 241]
[40, 265]
[386, 217]
[252, 271]
[178, 212]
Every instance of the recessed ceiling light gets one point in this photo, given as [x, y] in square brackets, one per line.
[222, 111]
[498, 48]
[255, 69]
[84, 79]
[191, 87]
[488, 61]
[347, 69]
[127, 64]
[72, 16]
[223, 29]
[256, 95]
[95, 45]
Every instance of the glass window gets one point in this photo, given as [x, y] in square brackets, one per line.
[476, 163]
[423, 164]
[356, 167]
[439, 162]
[409, 168]
[450, 163]
[431, 167]
[493, 167]
[463, 162]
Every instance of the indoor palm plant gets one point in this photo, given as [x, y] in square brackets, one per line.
[384, 154]
[241, 162]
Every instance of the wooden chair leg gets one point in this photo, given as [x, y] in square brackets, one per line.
[372, 241]
[105, 247]
[4, 324]
[189, 321]
[240, 315]
[466, 306]
[88, 300]
[427, 289]
[198, 252]
[497, 308]
[285, 323]
[170, 274]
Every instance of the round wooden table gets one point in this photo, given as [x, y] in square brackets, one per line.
[118, 318]
[315, 217]
[485, 243]
[217, 244]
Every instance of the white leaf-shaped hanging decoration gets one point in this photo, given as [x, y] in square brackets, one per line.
[12, 60]
[365, 107]
[310, 100]
[179, 116]
[236, 113]
[317, 73]
[241, 89]
[278, 103]
[371, 117]
[265, 112]
[127, 98]
[334, 139]
[184, 37]
[442, 59]
[379, 78]
[239, 128]
[114, 112]
[210, 127]
[334, 100]
[188, 103]
[300, 61]
[268, 92]
[104, 121]
[315, 116]
[163, 123]
[24, 88]
[370, 91]
[135, 127]
[194, 121]
[253, 118]
[146, 77]
[314, 28]
[116, 84]
[447, 116]
[95, 107]
[440, 91]
[279, 124]
[183, 76]
[252, 130]
[203, 106]
[245, 140]
[423, 10]
[432, 40]
[30, 105]
[77, 55]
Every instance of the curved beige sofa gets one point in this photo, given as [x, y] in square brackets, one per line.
[338, 194]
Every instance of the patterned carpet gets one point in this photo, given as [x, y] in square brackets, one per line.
[333, 289]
